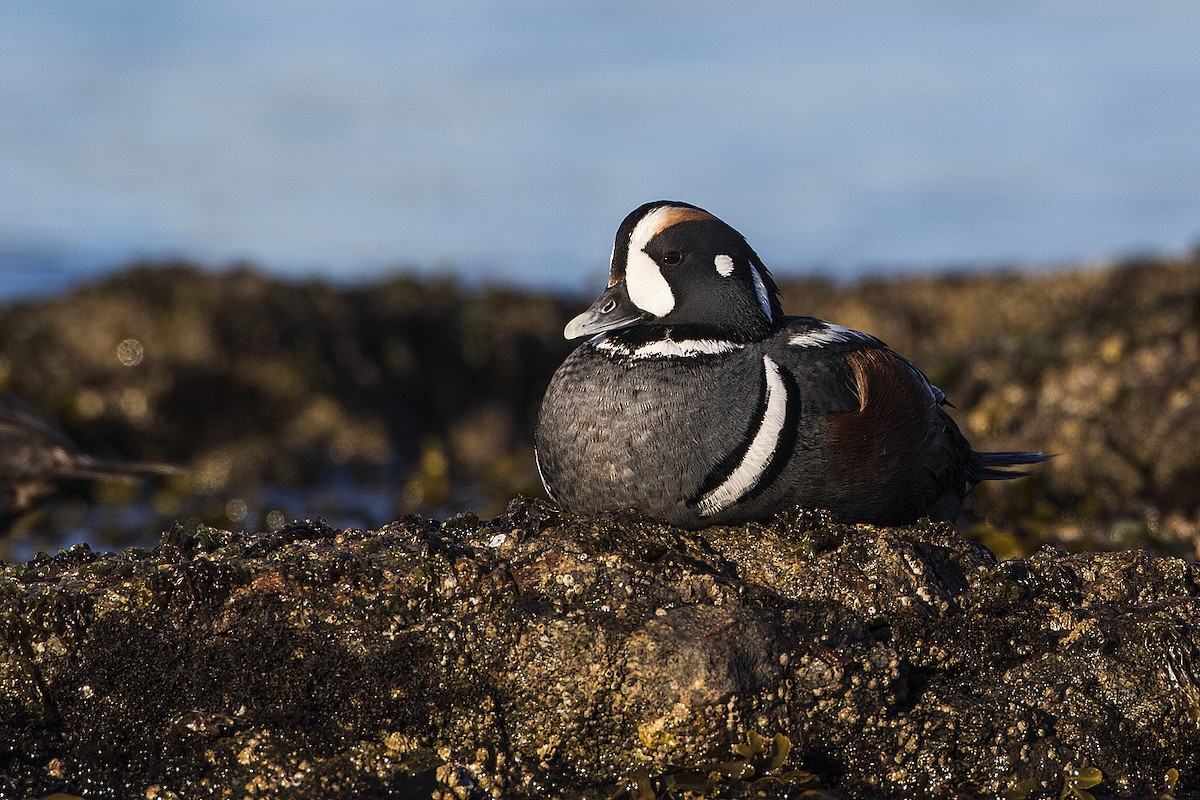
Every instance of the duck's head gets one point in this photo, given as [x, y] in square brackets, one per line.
[674, 264]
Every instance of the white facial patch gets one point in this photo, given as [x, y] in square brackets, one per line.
[762, 448]
[647, 287]
[724, 266]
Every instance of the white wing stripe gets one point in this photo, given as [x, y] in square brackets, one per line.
[761, 451]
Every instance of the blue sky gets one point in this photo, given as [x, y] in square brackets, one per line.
[506, 141]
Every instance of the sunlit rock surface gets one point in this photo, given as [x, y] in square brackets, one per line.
[542, 655]
[412, 395]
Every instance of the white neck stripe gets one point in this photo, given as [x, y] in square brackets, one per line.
[762, 448]
[760, 289]
[669, 348]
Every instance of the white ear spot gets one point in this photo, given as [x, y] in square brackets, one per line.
[724, 265]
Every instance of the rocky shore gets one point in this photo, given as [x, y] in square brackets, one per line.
[1048, 647]
[541, 655]
[426, 391]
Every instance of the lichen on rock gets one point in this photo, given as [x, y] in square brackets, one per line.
[541, 654]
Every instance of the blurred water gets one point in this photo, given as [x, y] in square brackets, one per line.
[134, 521]
[507, 140]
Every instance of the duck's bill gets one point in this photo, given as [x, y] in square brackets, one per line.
[611, 311]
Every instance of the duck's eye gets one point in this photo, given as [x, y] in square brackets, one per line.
[672, 258]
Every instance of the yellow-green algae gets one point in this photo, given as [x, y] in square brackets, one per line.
[539, 654]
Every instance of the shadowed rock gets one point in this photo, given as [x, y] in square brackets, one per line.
[546, 655]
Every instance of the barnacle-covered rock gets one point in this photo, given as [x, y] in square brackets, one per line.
[420, 395]
[541, 654]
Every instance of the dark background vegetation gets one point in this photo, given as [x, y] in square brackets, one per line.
[296, 399]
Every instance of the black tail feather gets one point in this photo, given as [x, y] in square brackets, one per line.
[994, 466]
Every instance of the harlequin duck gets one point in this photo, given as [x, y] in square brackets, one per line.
[696, 402]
